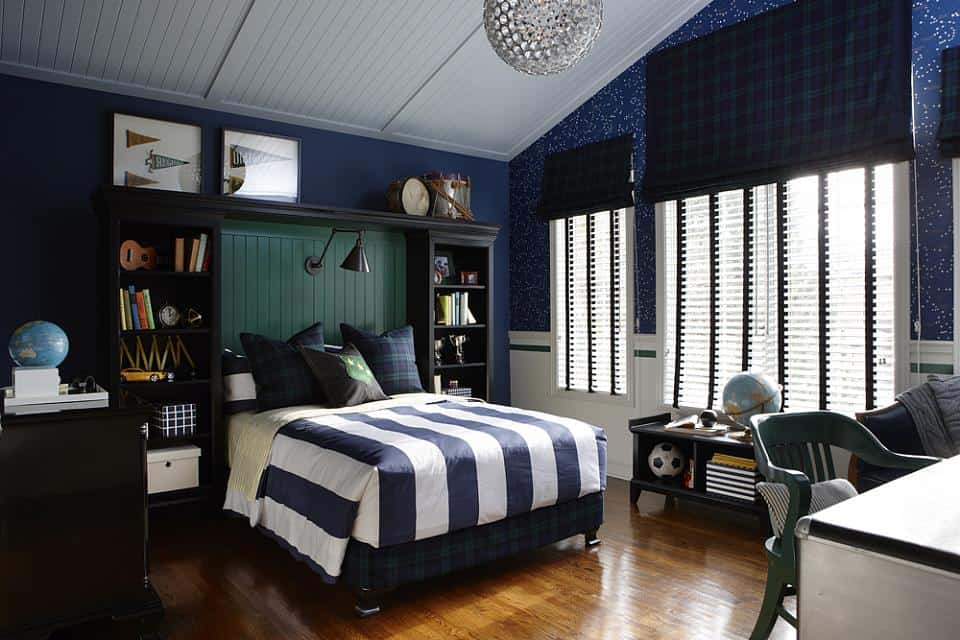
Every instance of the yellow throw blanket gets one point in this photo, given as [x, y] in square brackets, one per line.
[250, 435]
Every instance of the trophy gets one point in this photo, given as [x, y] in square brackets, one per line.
[438, 351]
[458, 341]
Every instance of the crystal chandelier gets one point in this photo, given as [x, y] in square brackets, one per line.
[540, 37]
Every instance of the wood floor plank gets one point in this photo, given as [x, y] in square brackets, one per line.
[663, 570]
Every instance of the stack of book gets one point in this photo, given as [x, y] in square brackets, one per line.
[454, 309]
[194, 257]
[733, 477]
[136, 310]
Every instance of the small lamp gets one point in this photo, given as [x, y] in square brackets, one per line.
[356, 260]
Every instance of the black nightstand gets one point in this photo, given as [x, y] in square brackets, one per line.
[73, 519]
[648, 432]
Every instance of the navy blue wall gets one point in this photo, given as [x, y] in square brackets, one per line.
[56, 146]
[618, 108]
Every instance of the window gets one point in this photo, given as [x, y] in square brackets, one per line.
[590, 294]
[794, 279]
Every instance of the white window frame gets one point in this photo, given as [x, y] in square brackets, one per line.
[901, 257]
[630, 279]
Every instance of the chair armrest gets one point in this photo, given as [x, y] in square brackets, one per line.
[879, 456]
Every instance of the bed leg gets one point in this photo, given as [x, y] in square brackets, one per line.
[590, 538]
[368, 601]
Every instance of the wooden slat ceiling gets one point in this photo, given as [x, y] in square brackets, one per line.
[415, 71]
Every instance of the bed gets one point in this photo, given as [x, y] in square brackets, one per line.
[400, 490]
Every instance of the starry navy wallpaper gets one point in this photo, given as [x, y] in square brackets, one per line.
[618, 108]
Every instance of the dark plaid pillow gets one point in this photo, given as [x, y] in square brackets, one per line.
[390, 355]
[345, 377]
[283, 378]
[311, 337]
[239, 388]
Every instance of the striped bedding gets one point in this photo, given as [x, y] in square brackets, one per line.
[413, 470]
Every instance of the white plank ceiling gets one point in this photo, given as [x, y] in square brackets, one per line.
[414, 71]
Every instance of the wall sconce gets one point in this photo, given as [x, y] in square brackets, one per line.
[356, 260]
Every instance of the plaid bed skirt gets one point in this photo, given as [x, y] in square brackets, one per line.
[366, 566]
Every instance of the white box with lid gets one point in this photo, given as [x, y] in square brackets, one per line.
[173, 469]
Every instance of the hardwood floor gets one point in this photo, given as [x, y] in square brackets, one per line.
[662, 571]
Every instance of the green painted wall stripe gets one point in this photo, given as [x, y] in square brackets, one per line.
[265, 289]
[644, 353]
[929, 367]
[544, 348]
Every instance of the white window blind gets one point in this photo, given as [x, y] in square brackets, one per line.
[795, 280]
[590, 299]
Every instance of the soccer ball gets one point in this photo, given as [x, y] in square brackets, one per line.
[666, 460]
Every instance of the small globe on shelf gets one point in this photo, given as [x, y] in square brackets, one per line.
[38, 344]
[748, 394]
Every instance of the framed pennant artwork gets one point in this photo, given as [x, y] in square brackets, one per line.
[156, 154]
[260, 166]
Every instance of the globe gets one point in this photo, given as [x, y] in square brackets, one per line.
[38, 344]
[748, 394]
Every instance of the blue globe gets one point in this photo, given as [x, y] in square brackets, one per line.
[748, 394]
[38, 344]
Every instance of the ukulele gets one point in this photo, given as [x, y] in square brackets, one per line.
[133, 256]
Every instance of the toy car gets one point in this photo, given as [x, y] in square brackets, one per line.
[139, 375]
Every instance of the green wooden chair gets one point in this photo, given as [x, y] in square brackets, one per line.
[794, 449]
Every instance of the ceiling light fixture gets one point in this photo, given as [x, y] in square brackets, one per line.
[541, 37]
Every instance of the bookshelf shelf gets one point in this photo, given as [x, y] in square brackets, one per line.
[159, 229]
[465, 365]
[461, 287]
[459, 326]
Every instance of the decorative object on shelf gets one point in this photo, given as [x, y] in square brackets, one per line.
[409, 195]
[451, 193]
[438, 351]
[169, 316]
[437, 383]
[38, 343]
[456, 390]
[437, 276]
[443, 264]
[666, 460]
[154, 361]
[133, 256]
[261, 166]
[174, 420]
[139, 375]
[458, 341]
[708, 418]
[748, 394]
[356, 260]
[469, 277]
[542, 37]
[156, 154]
[194, 318]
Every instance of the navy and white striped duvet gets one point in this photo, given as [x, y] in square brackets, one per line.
[414, 471]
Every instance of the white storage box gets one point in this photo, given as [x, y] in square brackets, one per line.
[173, 469]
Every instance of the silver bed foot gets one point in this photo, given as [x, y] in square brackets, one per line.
[368, 602]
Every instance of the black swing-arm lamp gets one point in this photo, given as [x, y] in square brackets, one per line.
[356, 260]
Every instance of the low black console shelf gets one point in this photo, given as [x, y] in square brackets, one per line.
[648, 432]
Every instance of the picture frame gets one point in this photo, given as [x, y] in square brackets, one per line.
[260, 166]
[469, 277]
[443, 267]
[149, 153]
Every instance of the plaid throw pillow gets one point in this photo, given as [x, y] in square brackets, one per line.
[283, 378]
[390, 355]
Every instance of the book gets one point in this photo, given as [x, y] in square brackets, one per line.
[733, 461]
[178, 255]
[206, 259]
[201, 253]
[151, 324]
[127, 311]
[456, 308]
[444, 308]
[142, 310]
[194, 249]
[123, 313]
[462, 317]
[134, 310]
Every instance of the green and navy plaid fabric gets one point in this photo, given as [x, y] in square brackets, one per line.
[391, 356]
[815, 83]
[282, 376]
[950, 103]
[387, 567]
[594, 177]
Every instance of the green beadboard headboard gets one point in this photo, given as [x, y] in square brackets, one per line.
[265, 289]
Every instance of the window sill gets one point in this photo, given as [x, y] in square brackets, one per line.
[598, 398]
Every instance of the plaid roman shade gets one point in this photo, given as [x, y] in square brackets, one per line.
[950, 103]
[595, 177]
[813, 84]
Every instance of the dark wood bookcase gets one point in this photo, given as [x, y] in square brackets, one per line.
[466, 252]
[157, 225]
